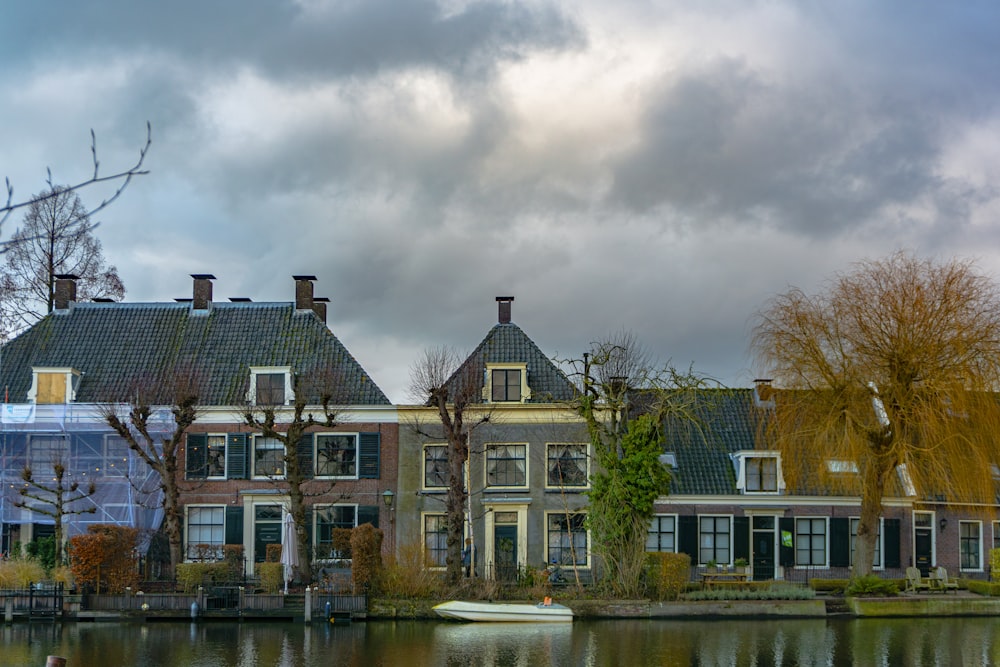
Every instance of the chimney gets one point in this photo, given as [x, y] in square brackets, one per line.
[65, 291]
[763, 393]
[319, 307]
[304, 292]
[202, 291]
[504, 308]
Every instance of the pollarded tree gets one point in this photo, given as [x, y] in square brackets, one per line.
[56, 238]
[55, 497]
[441, 381]
[894, 366]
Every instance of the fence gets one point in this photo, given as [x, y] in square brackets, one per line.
[37, 600]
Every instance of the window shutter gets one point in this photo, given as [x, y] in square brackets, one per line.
[368, 514]
[368, 467]
[840, 542]
[307, 465]
[234, 525]
[309, 532]
[687, 537]
[236, 455]
[741, 537]
[196, 461]
[786, 541]
[890, 541]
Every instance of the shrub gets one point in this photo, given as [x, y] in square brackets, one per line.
[768, 591]
[62, 575]
[44, 551]
[873, 586]
[233, 558]
[103, 558]
[667, 574]
[272, 576]
[407, 576]
[834, 586]
[273, 553]
[994, 564]
[341, 539]
[192, 575]
[991, 589]
[366, 547]
[19, 572]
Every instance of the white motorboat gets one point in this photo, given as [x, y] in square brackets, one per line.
[505, 613]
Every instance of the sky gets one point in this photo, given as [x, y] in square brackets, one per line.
[658, 167]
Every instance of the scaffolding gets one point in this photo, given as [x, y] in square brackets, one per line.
[77, 436]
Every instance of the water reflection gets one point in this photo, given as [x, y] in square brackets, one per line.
[918, 642]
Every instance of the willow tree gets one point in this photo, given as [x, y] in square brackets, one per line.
[893, 367]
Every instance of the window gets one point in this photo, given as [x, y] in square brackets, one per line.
[206, 528]
[435, 466]
[970, 547]
[662, 535]
[268, 457]
[506, 384]
[270, 386]
[329, 518]
[45, 451]
[841, 466]
[810, 542]
[436, 539]
[215, 451]
[506, 465]
[53, 385]
[116, 456]
[567, 465]
[714, 542]
[566, 537]
[337, 455]
[996, 534]
[877, 561]
[761, 474]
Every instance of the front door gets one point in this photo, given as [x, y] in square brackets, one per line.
[923, 541]
[505, 550]
[266, 529]
[763, 547]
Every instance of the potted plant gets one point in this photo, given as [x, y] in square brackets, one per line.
[712, 566]
[741, 565]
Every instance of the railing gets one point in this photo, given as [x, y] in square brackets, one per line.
[35, 600]
[338, 604]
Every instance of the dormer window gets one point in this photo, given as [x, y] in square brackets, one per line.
[507, 383]
[53, 385]
[758, 472]
[270, 386]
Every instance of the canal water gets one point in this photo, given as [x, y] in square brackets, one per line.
[618, 643]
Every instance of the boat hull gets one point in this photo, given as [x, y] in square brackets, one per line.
[504, 613]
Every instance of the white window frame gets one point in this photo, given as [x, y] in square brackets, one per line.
[729, 519]
[741, 459]
[225, 455]
[656, 519]
[270, 370]
[586, 466]
[423, 468]
[488, 388]
[979, 544]
[71, 375]
[486, 465]
[423, 538]
[189, 543]
[357, 454]
[273, 444]
[588, 547]
[825, 520]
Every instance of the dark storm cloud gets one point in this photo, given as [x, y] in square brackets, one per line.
[343, 38]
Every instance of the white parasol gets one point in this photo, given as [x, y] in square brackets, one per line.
[289, 548]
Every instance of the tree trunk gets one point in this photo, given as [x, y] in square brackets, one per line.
[171, 515]
[877, 470]
[455, 508]
[296, 499]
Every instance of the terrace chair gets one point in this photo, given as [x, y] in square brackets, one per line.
[914, 582]
[944, 582]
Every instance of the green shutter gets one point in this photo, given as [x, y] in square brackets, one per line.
[890, 541]
[786, 541]
[304, 452]
[234, 525]
[309, 532]
[196, 456]
[368, 467]
[840, 542]
[368, 514]
[236, 455]
[687, 537]
[741, 537]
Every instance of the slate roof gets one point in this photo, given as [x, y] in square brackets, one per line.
[116, 345]
[507, 343]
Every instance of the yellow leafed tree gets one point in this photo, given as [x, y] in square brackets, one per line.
[894, 367]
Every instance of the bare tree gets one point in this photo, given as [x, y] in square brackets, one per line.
[894, 367]
[57, 238]
[441, 381]
[122, 178]
[158, 444]
[54, 499]
[270, 421]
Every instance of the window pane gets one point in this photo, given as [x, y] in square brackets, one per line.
[506, 385]
[567, 465]
[268, 457]
[661, 534]
[330, 543]
[216, 451]
[969, 539]
[506, 465]
[206, 532]
[567, 538]
[436, 539]
[337, 455]
[270, 389]
[713, 539]
[435, 466]
[810, 542]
